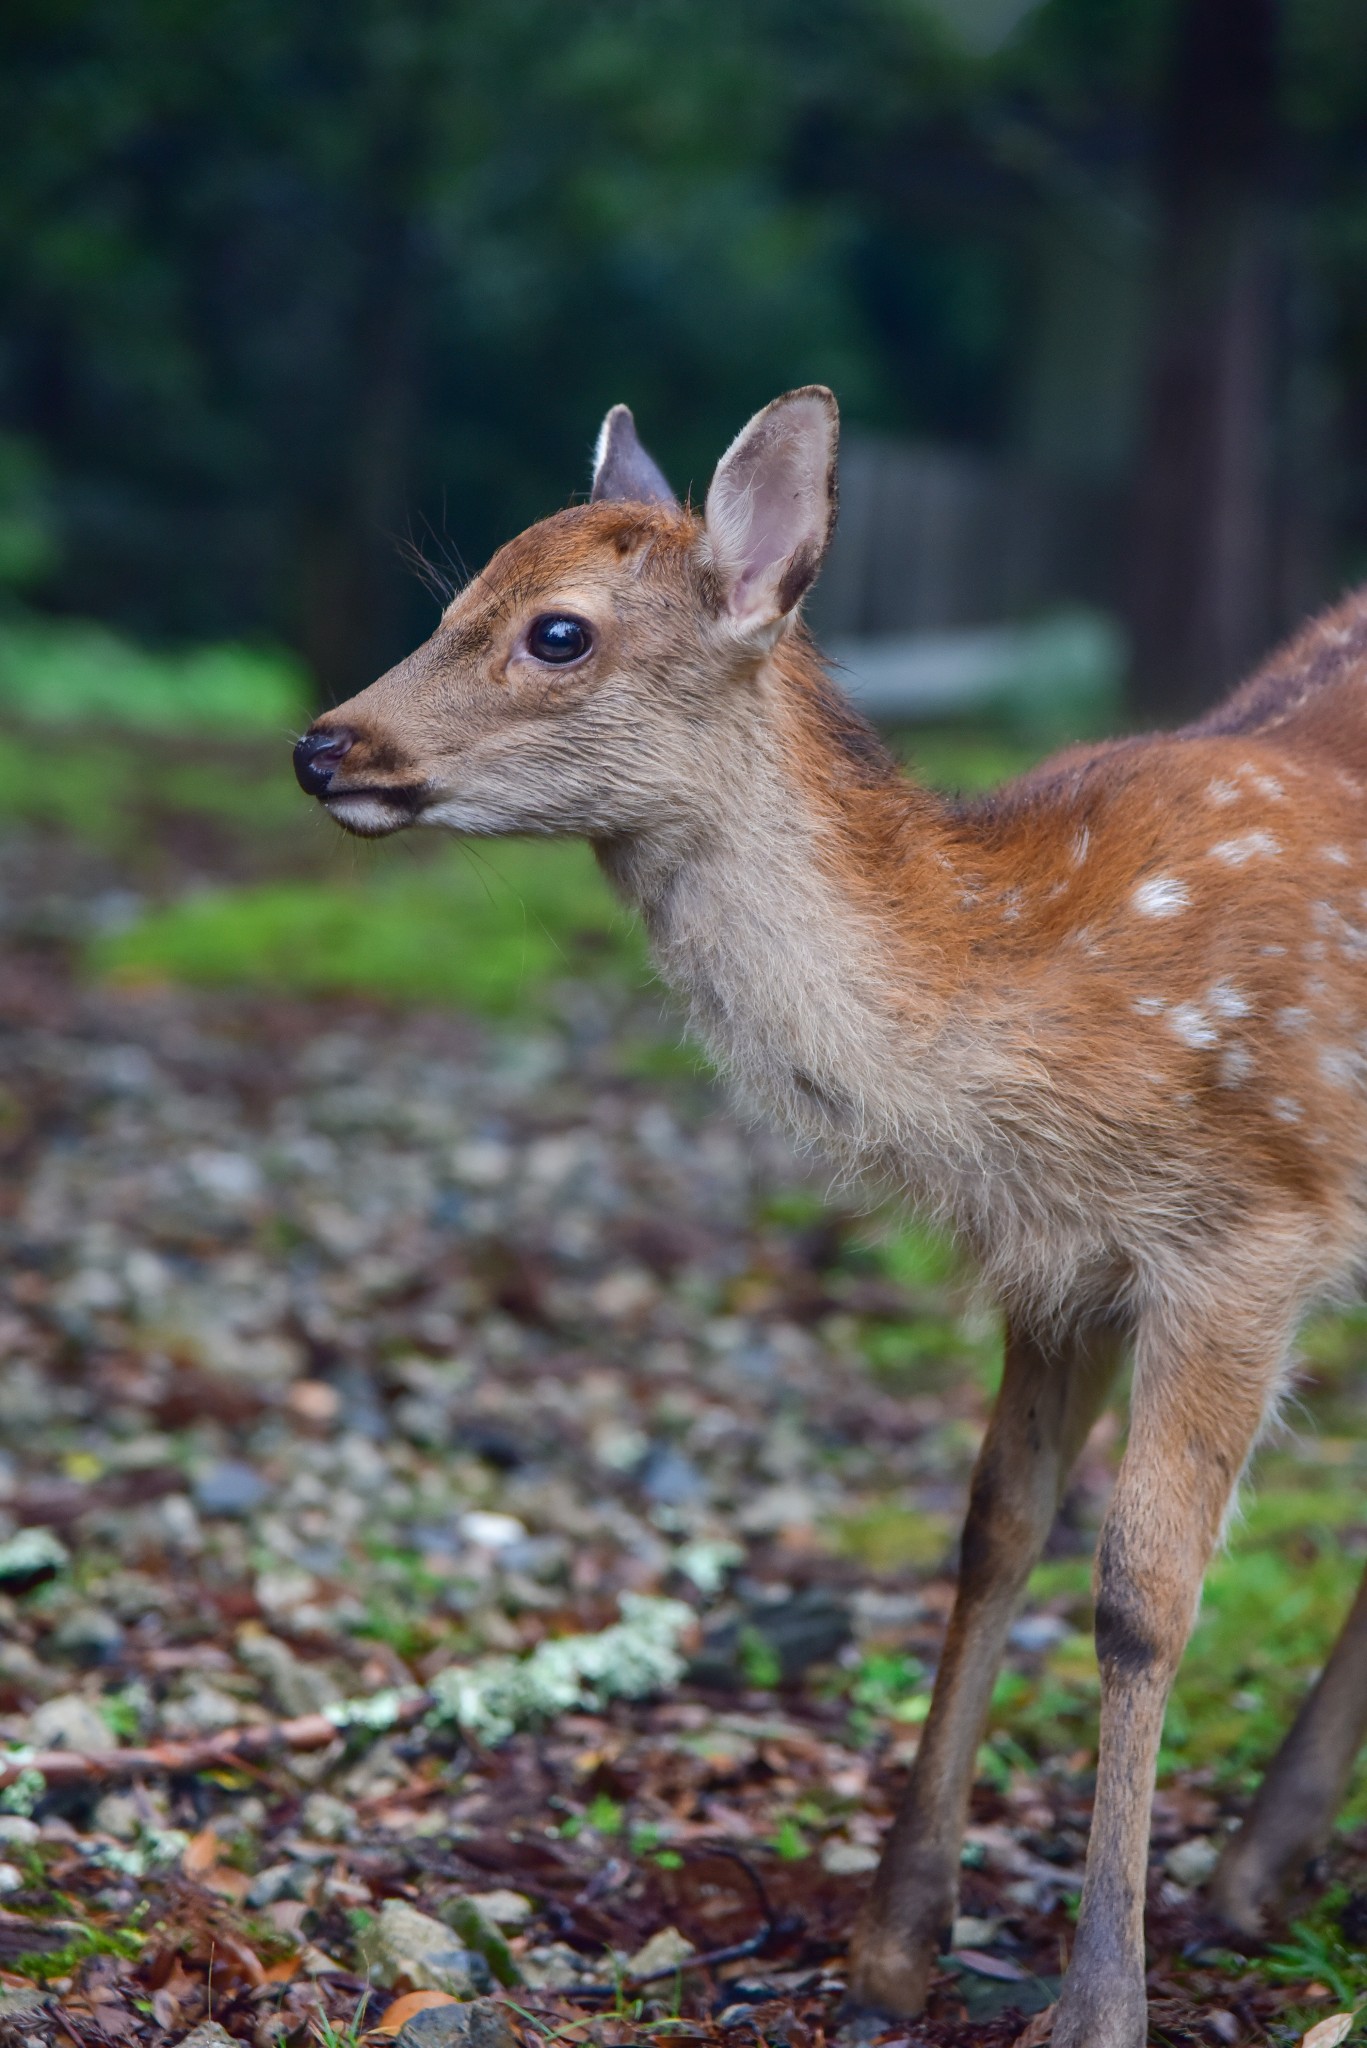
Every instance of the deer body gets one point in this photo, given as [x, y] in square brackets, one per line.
[1110, 1024]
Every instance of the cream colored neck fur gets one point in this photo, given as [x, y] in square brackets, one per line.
[865, 1037]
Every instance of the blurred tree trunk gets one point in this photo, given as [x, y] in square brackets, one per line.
[350, 577]
[1202, 540]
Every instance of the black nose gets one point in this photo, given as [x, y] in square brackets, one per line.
[317, 755]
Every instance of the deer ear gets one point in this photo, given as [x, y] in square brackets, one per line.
[621, 467]
[771, 507]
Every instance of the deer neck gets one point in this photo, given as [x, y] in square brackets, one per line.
[800, 910]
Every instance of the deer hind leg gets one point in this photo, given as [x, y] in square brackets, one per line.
[1292, 1816]
[1195, 1412]
[1050, 1396]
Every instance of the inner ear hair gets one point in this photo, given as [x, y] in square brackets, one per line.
[772, 505]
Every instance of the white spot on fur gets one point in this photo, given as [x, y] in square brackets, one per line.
[1227, 1001]
[1246, 847]
[1293, 1018]
[1272, 952]
[1286, 1109]
[1149, 1006]
[1236, 1066]
[1164, 896]
[1266, 785]
[1082, 839]
[1336, 854]
[1221, 791]
[1192, 1026]
[1339, 1064]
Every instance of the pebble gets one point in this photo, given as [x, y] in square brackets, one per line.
[508, 1910]
[12, 1879]
[71, 1721]
[208, 2034]
[848, 1859]
[17, 1832]
[409, 1950]
[1191, 1863]
[230, 1488]
[665, 1950]
[482, 2023]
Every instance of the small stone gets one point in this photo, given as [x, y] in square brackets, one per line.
[327, 1819]
[16, 2005]
[279, 1881]
[119, 1814]
[71, 1721]
[500, 1909]
[17, 1832]
[1191, 1863]
[294, 1686]
[671, 1479]
[201, 1710]
[89, 1636]
[409, 1949]
[230, 1488]
[1035, 1632]
[29, 1557]
[491, 1531]
[208, 2034]
[483, 2023]
[848, 1859]
[969, 1932]
[664, 1951]
[12, 1879]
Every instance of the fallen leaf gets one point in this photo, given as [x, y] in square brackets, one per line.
[983, 1965]
[1328, 2033]
[283, 1972]
[394, 2016]
[201, 1852]
[1039, 2030]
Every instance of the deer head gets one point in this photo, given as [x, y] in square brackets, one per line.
[580, 682]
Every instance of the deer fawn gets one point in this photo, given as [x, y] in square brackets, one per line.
[1109, 1023]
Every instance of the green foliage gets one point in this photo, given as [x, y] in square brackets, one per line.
[486, 929]
[44, 1966]
[65, 673]
[1318, 1952]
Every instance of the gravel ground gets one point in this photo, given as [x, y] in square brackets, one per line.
[341, 1349]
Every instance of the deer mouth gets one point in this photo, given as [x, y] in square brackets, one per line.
[374, 812]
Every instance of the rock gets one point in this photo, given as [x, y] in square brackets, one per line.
[208, 2034]
[669, 1478]
[483, 2023]
[788, 1635]
[71, 1721]
[201, 1710]
[17, 2006]
[230, 1488]
[664, 1951]
[969, 1932]
[12, 1878]
[848, 1859]
[489, 1531]
[29, 1557]
[279, 1881]
[1191, 1863]
[18, 1833]
[87, 1635]
[294, 1687]
[500, 1909]
[326, 1819]
[1035, 1632]
[406, 1949]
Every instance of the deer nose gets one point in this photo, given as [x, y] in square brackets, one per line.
[317, 756]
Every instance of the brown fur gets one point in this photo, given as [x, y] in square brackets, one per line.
[1111, 1023]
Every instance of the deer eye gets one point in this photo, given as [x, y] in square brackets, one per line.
[558, 639]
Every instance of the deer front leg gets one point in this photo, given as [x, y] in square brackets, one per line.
[1193, 1421]
[1050, 1396]
[1293, 1814]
